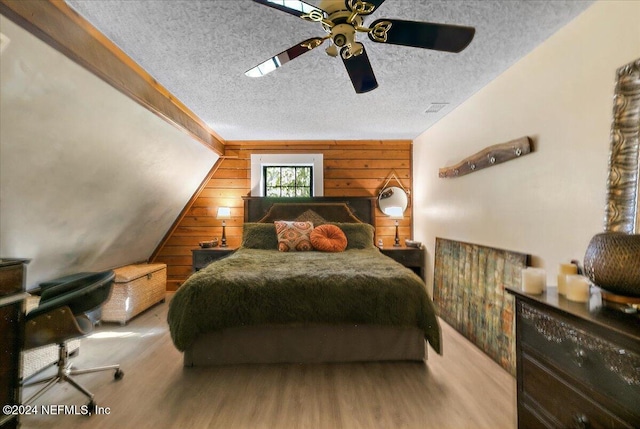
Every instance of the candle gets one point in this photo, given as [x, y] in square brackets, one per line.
[564, 270]
[577, 288]
[533, 280]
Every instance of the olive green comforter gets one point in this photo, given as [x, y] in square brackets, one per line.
[254, 286]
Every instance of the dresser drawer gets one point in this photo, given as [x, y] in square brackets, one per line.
[609, 369]
[11, 279]
[561, 404]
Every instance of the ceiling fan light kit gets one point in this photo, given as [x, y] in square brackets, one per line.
[342, 20]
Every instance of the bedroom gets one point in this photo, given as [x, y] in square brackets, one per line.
[542, 204]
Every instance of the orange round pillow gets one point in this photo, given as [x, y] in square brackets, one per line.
[328, 238]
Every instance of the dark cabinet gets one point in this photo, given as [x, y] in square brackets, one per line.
[203, 257]
[12, 299]
[578, 365]
[410, 257]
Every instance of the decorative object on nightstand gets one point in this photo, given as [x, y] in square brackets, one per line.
[393, 201]
[208, 243]
[395, 213]
[203, 257]
[224, 213]
[412, 243]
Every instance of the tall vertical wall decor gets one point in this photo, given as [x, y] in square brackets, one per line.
[469, 293]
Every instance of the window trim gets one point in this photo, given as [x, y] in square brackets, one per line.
[258, 161]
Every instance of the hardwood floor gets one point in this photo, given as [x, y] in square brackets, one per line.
[462, 389]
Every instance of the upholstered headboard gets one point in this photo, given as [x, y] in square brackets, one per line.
[332, 209]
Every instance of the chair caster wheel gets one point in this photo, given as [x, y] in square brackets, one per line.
[118, 375]
[92, 407]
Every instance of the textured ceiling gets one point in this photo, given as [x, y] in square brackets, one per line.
[200, 49]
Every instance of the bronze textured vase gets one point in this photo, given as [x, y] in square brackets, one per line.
[612, 261]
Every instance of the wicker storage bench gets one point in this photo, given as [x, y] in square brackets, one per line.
[135, 288]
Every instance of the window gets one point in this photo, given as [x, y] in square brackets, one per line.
[288, 181]
[313, 162]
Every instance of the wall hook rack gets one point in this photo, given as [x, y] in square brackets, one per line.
[488, 157]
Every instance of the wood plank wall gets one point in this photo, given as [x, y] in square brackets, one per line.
[351, 168]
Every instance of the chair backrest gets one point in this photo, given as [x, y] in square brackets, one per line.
[80, 294]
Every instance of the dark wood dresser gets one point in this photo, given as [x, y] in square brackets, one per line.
[578, 364]
[12, 299]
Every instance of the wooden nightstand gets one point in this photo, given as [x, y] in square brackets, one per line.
[203, 257]
[410, 257]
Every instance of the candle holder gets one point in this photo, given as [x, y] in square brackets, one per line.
[578, 288]
[533, 280]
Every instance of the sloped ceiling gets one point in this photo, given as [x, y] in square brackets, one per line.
[200, 49]
[89, 179]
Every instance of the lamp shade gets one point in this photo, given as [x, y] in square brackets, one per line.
[224, 213]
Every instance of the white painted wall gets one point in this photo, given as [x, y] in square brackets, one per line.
[549, 203]
[89, 179]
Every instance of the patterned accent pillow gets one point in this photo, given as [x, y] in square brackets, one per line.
[328, 238]
[311, 216]
[293, 236]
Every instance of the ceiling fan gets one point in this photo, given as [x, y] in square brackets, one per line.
[343, 19]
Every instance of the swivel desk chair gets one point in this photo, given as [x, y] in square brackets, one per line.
[60, 316]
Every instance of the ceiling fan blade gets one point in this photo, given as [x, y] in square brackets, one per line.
[360, 71]
[296, 7]
[428, 35]
[284, 57]
[363, 7]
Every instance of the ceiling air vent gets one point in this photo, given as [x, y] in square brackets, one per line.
[435, 107]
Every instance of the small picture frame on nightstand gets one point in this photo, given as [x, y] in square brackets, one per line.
[411, 243]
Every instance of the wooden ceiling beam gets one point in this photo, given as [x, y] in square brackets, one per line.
[65, 30]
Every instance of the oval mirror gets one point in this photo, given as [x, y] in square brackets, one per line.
[393, 201]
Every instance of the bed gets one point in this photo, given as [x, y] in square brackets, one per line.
[262, 305]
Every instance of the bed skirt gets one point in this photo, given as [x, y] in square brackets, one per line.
[307, 343]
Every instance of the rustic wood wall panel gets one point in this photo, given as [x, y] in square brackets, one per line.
[351, 168]
[469, 292]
